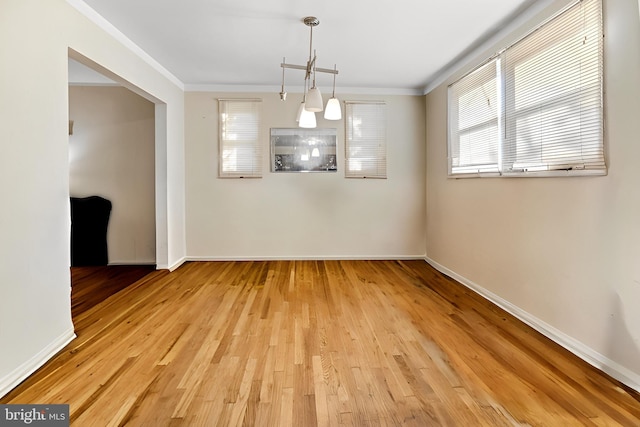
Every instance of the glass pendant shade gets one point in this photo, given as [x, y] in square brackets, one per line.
[300, 108]
[307, 119]
[314, 100]
[333, 111]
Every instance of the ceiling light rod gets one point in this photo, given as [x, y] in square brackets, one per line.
[302, 67]
[334, 82]
[310, 21]
[283, 94]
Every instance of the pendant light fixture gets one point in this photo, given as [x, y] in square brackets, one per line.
[333, 111]
[302, 104]
[283, 94]
[306, 118]
[312, 100]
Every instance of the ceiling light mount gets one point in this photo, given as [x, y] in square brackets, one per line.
[312, 99]
[311, 21]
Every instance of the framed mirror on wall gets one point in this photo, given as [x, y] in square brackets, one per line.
[303, 150]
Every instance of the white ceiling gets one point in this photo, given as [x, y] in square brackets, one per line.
[391, 45]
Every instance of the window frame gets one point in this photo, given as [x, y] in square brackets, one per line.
[256, 170]
[379, 158]
[479, 169]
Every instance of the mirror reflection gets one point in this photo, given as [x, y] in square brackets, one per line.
[303, 150]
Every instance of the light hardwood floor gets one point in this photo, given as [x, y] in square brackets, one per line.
[305, 343]
[92, 285]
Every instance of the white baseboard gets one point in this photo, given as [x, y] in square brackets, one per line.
[129, 262]
[177, 264]
[10, 381]
[610, 367]
[306, 258]
[173, 266]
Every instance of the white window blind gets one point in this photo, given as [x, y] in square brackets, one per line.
[365, 145]
[240, 138]
[553, 82]
[474, 113]
[549, 112]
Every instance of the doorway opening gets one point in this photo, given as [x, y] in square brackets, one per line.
[112, 156]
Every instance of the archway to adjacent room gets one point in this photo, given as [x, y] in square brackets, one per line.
[115, 131]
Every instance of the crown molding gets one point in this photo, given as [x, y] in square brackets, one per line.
[107, 27]
[486, 44]
[299, 89]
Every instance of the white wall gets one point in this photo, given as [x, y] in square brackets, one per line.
[305, 215]
[35, 37]
[562, 252]
[111, 154]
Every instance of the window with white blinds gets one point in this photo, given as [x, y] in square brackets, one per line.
[474, 114]
[240, 138]
[365, 139]
[536, 109]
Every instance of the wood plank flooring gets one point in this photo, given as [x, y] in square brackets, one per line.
[327, 343]
[92, 285]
